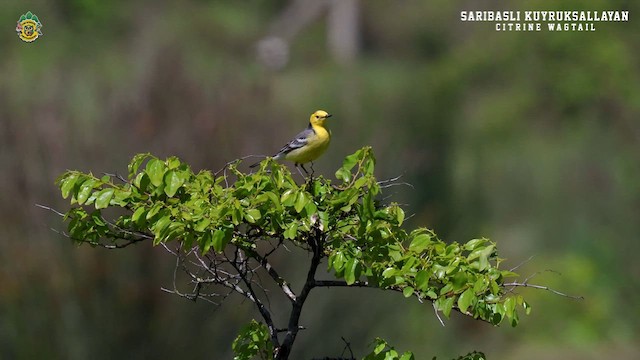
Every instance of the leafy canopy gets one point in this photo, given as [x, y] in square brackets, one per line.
[364, 241]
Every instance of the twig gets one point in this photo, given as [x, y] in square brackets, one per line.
[392, 182]
[106, 246]
[524, 284]
[50, 209]
[117, 176]
[275, 276]
[435, 309]
[522, 263]
[347, 346]
[236, 161]
[339, 283]
[285, 330]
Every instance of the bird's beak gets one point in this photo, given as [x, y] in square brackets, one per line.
[328, 116]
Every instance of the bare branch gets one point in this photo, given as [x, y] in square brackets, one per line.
[522, 263]
[524, 284]
[95, 243]
[266, 315]
[50, 209]
[238, 160]
[392, 182]
[315, 241]
[435, 309]
[117, 176]
[347, 346]
[117, 235]
[339, 283]
[275, 276]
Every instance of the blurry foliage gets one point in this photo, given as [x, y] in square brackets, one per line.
[529, 139]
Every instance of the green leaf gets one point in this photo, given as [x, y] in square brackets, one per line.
[480, 285]
[367, 206]
[220, 239]
[103, 198]
[446, 305]
[155, 209]
[482, 255]
[301, 201]
[271, 197]
[142, 181]
[351, 160]
[288, 198]
[173, 180]
[173, 163]
[85, 191]
[408, 291]
[291, 232]
[407, 356]
[466, 299]
[527, 307]
[138, 217]
[389, 272]
[121, 198]
[29, 15]
[420, 243]
[155, 170]
[431, 294]
[159, 227]
[399, 215]
[206, 241]
[135, 163]
[380, 346]
[350, 271]
[344, 175]
[252, 215]
[253, 342]
[473, 244]
[67, 184]
[422, 280]
[202, 225]
[360, 182]
[510, 306]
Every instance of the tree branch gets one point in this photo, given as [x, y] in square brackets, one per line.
[524, 284]
[266, 315]
[315, 241]
[275, 276]
[340, 283]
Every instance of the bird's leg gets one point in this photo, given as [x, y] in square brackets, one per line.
[312, 170]
[298, 168]
[305, 169]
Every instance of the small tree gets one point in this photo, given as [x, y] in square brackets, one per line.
[224, 228]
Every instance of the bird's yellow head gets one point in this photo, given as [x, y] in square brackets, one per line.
[318, 117]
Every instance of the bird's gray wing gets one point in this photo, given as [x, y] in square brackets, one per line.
[299, 141]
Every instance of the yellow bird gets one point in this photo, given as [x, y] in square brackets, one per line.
[309, 144]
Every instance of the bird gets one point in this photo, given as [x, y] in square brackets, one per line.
[309, 144]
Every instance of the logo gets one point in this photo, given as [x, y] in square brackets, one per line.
[29, 27]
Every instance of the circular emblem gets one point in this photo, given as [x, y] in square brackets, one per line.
[29, 27]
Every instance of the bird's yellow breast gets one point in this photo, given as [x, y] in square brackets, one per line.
[316, 145]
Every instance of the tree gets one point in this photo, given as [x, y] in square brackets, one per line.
[223, 230]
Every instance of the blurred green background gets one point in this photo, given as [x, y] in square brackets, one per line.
[531, 139]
